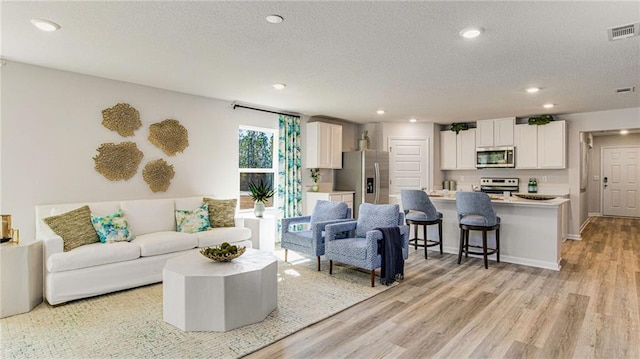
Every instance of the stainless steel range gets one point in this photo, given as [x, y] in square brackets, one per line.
[499, 185]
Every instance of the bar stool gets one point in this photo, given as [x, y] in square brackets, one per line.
[475, 213]
[419, 211]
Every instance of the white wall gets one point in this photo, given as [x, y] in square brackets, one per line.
[589, 122]
[51, 128]
[594, 185]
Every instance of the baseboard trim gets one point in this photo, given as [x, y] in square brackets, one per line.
[594, 214]
[509, 259]
[574, 237]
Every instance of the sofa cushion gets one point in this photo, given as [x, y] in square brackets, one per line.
[112, 228]
[149, 215]
[221, 211]
[216, 236]
[193, 221]
[92, 255]
[74, 227]
[153, 244]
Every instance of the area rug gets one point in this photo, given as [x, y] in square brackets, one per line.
[129, 323]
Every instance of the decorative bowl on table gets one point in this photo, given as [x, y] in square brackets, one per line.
[537, 197]
[225, 252]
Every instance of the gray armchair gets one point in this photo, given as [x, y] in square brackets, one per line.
[311, 241]
[361, 249]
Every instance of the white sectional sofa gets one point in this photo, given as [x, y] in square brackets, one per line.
[100, 268]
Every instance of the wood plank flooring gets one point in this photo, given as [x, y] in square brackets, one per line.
[589, 309]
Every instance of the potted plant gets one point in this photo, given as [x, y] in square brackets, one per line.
[314, 176]
[260, 193]
[540, 119]
[460, 126]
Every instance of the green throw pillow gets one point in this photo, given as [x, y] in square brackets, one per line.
[221, 212]
[112, 228]
[74, 227]
[193, 221]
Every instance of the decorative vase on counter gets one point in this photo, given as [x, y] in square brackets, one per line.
[315, 187]
[258, 209]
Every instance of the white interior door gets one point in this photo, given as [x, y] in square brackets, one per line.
[621, 181]
[408, 164]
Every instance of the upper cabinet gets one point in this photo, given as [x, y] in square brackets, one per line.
[542, 146]
[458, 152]
[324, 145]
[496, 132]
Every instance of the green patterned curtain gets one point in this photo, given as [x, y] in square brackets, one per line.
[289, 168]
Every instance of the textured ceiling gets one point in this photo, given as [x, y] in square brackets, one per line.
[347, 59]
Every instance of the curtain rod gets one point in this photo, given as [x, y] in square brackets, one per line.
[263, 110]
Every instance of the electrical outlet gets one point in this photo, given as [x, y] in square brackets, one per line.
[596, 178]
[544, 179]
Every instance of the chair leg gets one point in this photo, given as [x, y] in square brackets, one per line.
[440, 236]
[286, 254]
[318, 258]
[484, 249]
[466, 243]
[498, 245]
[424, 231]
[415, 237]
[461, 245]
[373, 277]
[330, 267]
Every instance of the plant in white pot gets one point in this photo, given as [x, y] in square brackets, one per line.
[260, 193]
[314, 176]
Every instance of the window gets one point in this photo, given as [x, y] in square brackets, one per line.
[256, 162]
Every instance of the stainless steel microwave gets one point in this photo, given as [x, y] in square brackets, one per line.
[492, 157]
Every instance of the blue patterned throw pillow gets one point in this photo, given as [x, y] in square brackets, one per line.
[112, 228]
[193, 221]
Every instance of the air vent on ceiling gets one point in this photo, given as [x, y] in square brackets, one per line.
[625, 89]
[624, 31]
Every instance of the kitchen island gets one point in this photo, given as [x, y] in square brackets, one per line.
[531, 231]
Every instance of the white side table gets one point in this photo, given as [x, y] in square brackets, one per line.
[263, 232]
[20, 277]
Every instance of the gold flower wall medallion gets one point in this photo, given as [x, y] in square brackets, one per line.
[158, 175]
[169, 136]
[118, 161]
[121, 118]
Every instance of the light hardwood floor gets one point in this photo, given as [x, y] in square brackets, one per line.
[589, 309]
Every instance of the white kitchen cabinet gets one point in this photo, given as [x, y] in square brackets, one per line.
[495, 132]
[552, 145]
[542, 146]
[466, 150]
[526, 143]
[458, 152]
[324, 145]
[337, 196]
[448, 150]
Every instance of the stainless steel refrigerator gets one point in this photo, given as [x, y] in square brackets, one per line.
[367, 173]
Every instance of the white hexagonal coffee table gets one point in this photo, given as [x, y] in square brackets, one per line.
[203, 295]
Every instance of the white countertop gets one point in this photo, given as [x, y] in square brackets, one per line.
[498, 199]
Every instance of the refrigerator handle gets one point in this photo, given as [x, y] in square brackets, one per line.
[377, 168]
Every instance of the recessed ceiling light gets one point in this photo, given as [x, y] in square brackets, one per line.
[380, 112]
[471, 32]
[275, 19]
[45, 25]
[624, 132]
[279, 86]
[533, 89]
[413, 120]
[548, 105]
